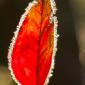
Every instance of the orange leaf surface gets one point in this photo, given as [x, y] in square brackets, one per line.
[32, 51]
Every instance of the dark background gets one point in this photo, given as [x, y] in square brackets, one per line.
[67, 67]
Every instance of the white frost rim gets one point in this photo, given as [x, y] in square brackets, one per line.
[52, 18]
[55, 21]
[31, 4]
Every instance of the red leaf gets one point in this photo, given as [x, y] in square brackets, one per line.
[32, 51]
